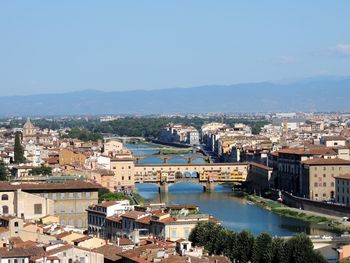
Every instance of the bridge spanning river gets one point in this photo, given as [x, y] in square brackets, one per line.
[208, 175]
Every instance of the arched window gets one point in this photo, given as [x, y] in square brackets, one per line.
[5, 209]
[4, 197]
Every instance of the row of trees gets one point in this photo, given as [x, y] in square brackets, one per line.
[244, 247]
[83, 134]
[139, 126]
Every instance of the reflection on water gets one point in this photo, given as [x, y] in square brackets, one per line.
[234, 212]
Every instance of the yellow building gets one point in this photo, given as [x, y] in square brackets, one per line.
[317, 180]
[123, 169]
[70, 157]
[68, 200]
[173, 228]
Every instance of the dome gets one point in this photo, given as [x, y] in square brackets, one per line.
[28, 125]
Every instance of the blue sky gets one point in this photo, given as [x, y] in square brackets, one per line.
[59, 46]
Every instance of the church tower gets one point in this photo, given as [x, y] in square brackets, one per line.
[29, 129]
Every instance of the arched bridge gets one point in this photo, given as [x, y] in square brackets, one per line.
[167, 157]
[208, 175]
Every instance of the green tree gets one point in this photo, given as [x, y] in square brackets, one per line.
[18, 149]
[3, 171]
[278, 250]
[102, 192]
[299, 249]
[244, 246]
[230, 245]
[210, 235]
[42, 170]
[262, 250]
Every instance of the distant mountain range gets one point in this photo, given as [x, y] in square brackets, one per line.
[314, 94]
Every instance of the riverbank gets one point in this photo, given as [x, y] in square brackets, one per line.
[334, 222]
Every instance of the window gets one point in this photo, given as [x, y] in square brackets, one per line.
[63, 222]
[87, 195]
[332, 184]
[38, 209]
[186, 232]
[63, 195]
[46, 195]
[71, 222]
[4, 197]
[129, 177]
[324, 184]
[324, 175]
[122, 178]
[173, 232]
[72, 209]
[16, 224]
[5, 209]
[79, 195]
[63, 209]
[315, 184]
[71, 195]
[54, 196]
[80, 223]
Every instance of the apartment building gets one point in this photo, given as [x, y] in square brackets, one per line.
[342, 189]
[317, 180]
[68, 200]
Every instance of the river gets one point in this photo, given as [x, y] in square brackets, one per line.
[234, 212]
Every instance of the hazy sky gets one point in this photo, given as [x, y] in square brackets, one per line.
[58, 46]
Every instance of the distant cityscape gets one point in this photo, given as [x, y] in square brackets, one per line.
[69, 191]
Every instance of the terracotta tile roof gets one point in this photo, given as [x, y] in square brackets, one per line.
[343, 177]
[114, 218]
[166, 220]
[3, 229]
[185, 206]
[323, 161]
[144, 220]
[133, 214]
[125, 242]
[333, 138]
[81, 239]
[62, 235]
[59, 249]
[69, 185]
[107, 203]
[20, 252]
[309, 151]
[262, 166]
[109, 252]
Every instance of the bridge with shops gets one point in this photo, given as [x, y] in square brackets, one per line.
[209, 175]
[167, 157]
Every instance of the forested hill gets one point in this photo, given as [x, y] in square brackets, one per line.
[313, 95]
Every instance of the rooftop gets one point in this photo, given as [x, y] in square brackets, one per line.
[343, 177]
[323, 161]
[34, 186]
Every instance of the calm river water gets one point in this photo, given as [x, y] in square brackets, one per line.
[234, 212]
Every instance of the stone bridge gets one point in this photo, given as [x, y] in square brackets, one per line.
[209, 175]
[166, 157]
